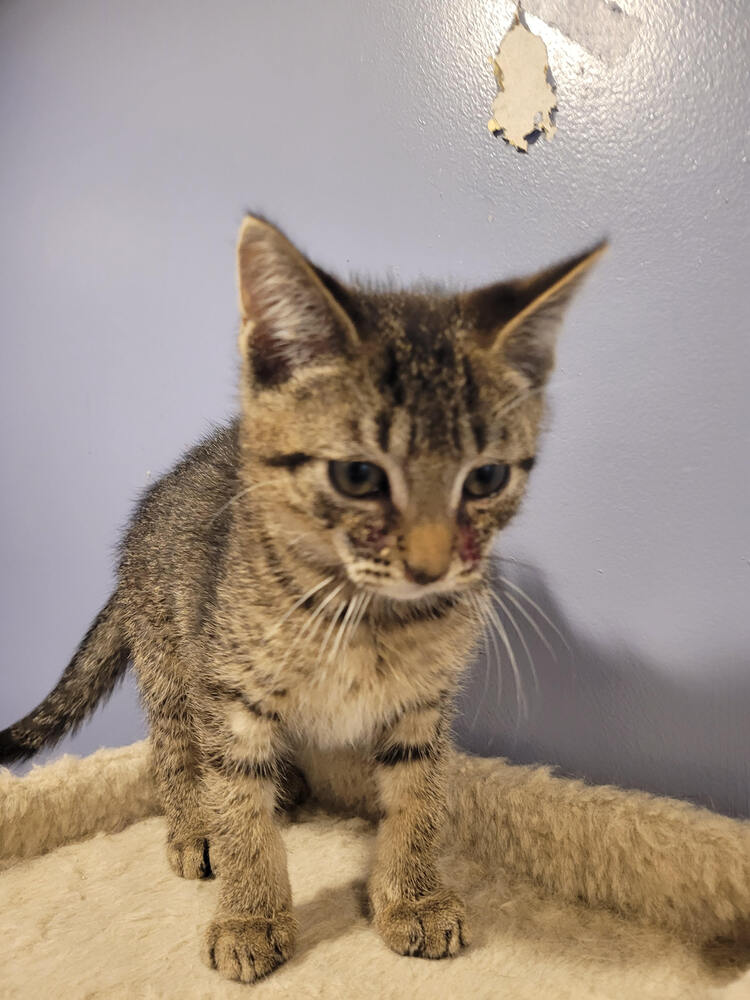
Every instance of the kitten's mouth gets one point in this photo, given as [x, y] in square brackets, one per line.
[374, 581]
[408, 591]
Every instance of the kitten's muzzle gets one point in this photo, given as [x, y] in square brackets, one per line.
[428, 551]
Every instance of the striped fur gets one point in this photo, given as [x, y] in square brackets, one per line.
[97, 665]
[267, 615]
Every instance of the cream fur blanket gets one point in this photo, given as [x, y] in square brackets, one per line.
[573, 892]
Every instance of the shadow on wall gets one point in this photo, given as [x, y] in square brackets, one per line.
[605, 714]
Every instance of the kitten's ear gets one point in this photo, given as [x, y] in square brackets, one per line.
[521, 318]
[289, 317]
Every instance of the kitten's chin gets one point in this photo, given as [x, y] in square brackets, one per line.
[407, 591]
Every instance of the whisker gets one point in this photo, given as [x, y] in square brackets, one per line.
[307, 632]
[486, 643]
[527, 393]
[521, 397]
[497, 656]
[493, 657]
[521, 705]
[342, 620]
[534, 625]
[307, 635]
[497, 558]
[301, 600]
[334, 619]
[476, 608]
[350, 613]
[515, 401]
[330, 597]
[545, 616]
[292, 537]
[361, 613]
[501, 603]
[288, 533]
[238, 496]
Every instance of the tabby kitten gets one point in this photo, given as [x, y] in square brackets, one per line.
[311, 579]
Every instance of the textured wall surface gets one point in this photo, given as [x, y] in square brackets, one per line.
[135, 134]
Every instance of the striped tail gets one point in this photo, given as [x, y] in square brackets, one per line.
[90, 677]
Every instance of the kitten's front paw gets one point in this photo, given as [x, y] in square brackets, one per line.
[431, 927]
[189, 858]
[248, 948]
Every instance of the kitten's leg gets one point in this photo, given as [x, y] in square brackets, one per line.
[292, 787]
[412, 910]
[176, 762]
[253, 930]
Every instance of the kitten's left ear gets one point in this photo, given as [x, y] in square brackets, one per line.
[290, 315]
[521, 318]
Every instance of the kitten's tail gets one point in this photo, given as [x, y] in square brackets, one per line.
[97, 665]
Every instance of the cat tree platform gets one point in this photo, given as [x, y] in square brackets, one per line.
[573, 891]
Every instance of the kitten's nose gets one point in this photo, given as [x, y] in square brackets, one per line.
[419, 576]
[429, 548]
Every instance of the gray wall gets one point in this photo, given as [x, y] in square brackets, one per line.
[135, 133]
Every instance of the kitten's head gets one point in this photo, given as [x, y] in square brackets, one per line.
[389, 436]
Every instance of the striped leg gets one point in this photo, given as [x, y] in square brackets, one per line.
[253, 930]
[176, 765]
[413, 912]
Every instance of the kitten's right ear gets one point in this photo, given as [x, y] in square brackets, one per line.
[290, 319]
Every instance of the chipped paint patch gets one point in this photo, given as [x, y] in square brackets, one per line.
[526, 98]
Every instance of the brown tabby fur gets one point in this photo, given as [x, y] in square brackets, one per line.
[270, 618]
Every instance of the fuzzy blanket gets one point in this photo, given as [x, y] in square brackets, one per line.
[573, 891]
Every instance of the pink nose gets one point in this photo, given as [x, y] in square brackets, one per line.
[429, 550]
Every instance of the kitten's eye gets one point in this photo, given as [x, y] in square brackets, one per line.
[486, 480]
[358, 479]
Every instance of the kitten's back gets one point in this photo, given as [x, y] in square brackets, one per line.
[173, 549]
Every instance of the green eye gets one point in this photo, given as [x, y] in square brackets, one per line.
[486, 480]
[362, 480]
